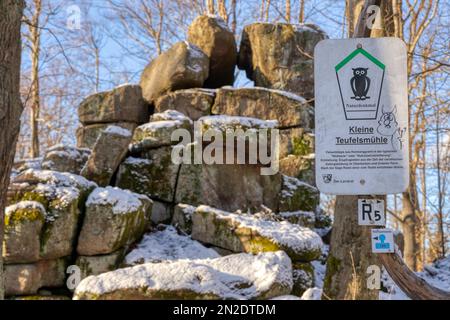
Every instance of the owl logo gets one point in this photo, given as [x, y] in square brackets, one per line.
[360, 83]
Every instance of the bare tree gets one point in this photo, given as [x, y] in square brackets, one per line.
[35, 43]
[301, 15]
[10, 104]
[288, 11]
[210, 7]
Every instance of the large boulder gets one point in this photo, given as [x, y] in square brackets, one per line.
[61, 197]
[228, 187]
[288, 109]
[23, 226]
[247, 233]
[95, 265]
[182, 217]
[280, 56]
[213, 37]
[239, 276]
[194, 103]
[109, 150]
[297, 195]
[183, 66]
[114, 218]
[154, 175]
[65, 159]
[167, 245]
[297, 154]
[122, 104]
[27, 279]
[161, 212]
[87, 135]
[158, 132]
[303, 276]
[302, 218]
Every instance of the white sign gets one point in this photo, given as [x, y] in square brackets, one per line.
[361, 103]
[382, 241]
[371, 212]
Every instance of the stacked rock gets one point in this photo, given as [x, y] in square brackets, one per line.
[123, 107]
[259, 233]
[41, 223]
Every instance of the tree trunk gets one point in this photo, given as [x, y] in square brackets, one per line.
[415, 288]
[35, 35]
[288, 11]
[233, 16]
[210, 7]
[301, 15]
[350, 247]
[10, 104]
[350, 254]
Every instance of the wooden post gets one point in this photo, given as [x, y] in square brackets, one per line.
[350, 247]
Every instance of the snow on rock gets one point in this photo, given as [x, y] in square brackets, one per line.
[223, 122]
[238, 276]
[118, 131]
[245, 233]
[302, 218]
[159, 131]
[312, 294]
[297, 195]
[286, 297]
[114, 218]
[121, 201]
[59, 179]
[24, 205]
[167, 245]
[170, 115]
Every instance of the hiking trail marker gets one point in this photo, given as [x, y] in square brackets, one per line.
[371, 212]
[361, 103]
[382, 241]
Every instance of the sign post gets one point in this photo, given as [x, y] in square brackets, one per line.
[361, 116]
[362, 151]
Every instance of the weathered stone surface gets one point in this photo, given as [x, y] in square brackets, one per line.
[303, 276]
[287, 108]
[302, 218]
[23, 226]
[65, 159]
[158, 132]
[88, 135]
[122, 104]
[194, 103]
[280, 56]
[95, 265]
[161, 212]
[114, 218]
[300, 167]
[182, 217]
[246, 233]
[215, 39]
[62, 195]
[239, 276]
[183, 66]
[154, 175]
[228, 187]
[298, 196]
[26, 279]
[108, 152]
